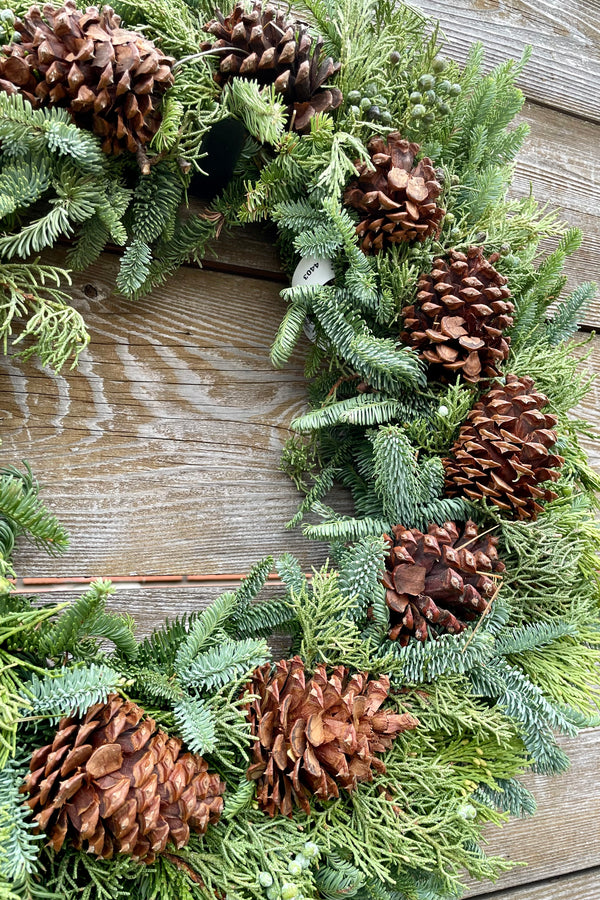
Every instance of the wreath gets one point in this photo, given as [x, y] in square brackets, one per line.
[456, 630]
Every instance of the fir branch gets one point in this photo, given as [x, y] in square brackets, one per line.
[227, 662]
[196, 724]
[205, 632]
[361, 567]
[533, 637]
[262, 619]
[508, 796]
[290, 572]
[69, 691]
[135, 267]
[25, 512]
[88, 618]
[565, 321]
[19, 846]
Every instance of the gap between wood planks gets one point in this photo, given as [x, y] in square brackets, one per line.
[49, 584]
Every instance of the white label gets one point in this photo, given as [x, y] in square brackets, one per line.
[311, 270]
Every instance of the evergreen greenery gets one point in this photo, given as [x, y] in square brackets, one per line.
[490, 701]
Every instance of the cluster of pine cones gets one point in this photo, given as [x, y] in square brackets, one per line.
[112, 80]
[111, 782]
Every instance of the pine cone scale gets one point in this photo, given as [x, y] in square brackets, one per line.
[451, 325]
[263, 44]
[87, 63]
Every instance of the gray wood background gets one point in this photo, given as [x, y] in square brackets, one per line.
[160, 453]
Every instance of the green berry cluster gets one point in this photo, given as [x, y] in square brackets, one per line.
[429, 99]
[369, 104]
[7, 26]
[289, 890]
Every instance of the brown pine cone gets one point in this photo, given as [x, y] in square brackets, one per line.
[111, 782]
[396, 199]
[461, 313]
[263, 44]
[502, 453]
[111, 80]
[316, 735]
[442, 577]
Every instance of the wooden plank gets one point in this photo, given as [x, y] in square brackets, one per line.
[161, 451]
[565, 67]
[254, 254]
[584, 886]
[564, 836]
[151, 606]
[561, 163]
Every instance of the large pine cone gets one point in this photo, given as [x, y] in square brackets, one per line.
[111, 80]
[440, 578]
[502, 453]
[461, 313]
[396, 199]
[112, 783]
[316, 735]
[262, 44]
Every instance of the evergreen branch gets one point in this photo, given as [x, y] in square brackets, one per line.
[259, 108]
[68, 692]
[205, 631]
[508, 796]
[26, 130]
[135, 267]
[196, 723]
[229, 661]
[290, 572]
[533, 636]
[262, 619]
[19, 846]
[254, 582]
[361, 567]
[565, 321]
[87, 618]
[25, 512]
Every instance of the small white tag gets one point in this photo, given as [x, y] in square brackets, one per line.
[311, 270]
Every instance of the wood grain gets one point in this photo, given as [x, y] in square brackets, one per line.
[560, 162]
[564, 71]
[584, 886]
[563, 837]
[161, 451]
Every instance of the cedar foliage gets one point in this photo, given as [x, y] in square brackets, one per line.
[489, 700]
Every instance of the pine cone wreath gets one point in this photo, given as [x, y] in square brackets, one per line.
[317, 735]
[462, 311]
[502, 453]
[444, 577]
[396, 199]
[111, 80]
[112, 783]
[263, 44]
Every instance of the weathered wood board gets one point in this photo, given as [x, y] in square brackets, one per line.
[565, 66]
[161, 452]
